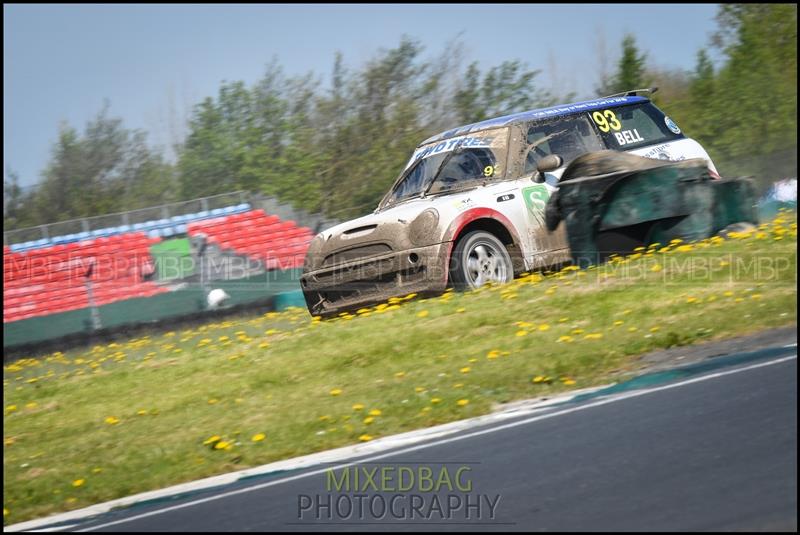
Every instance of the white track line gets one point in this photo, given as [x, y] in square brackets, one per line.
[510, 425]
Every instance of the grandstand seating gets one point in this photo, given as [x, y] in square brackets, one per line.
[278, 244]
[163, 228]
[52, 279]
[44, 279]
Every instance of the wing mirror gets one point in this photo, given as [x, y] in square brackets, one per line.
[550, 162]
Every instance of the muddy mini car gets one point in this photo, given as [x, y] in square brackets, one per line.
[469, 207]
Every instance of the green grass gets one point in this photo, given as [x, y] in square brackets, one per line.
[297, 380]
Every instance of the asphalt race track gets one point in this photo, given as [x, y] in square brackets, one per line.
[717, 451]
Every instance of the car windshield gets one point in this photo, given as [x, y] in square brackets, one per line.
[454, 163]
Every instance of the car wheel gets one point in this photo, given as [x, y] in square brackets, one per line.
[479, 258]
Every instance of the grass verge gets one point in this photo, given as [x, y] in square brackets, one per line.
[135, 415]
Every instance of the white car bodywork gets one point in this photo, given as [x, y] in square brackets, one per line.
[518, 204]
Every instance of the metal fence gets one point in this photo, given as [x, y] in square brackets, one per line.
[165, 211]
[316, 222]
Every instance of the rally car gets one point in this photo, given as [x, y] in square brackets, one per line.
[469, 207]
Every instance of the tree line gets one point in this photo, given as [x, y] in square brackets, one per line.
[337, 150]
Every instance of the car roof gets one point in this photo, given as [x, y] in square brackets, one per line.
[560, 110]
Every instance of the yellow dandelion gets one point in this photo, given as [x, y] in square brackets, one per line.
[565, 338]
[78, 482]
[465, 369]
[258, 437]
[375, 412]
[655, 329]
[493, 354]
[462, 402]
[212, 440]
[618, 323]
[422, 314]
[522, 333]
[141, 412]
[632, 329]
[365, 438]
[436, 400]
[544, 327]
[368, 420]
[460, 310]
[111, 420]
[400, 375]
[358, 407]
[419, 389]
[336, 391]
[656, 268]
[222, 445]
[213, 401]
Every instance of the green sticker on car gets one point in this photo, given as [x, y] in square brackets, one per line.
[536, 198]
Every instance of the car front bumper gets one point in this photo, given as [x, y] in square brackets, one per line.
[351, 285]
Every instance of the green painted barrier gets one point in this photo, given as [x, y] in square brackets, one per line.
[281, 287]
[289, 299]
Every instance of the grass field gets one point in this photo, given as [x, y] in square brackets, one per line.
[95, 424]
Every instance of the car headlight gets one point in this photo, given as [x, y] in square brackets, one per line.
[422, 230]
[313, 253]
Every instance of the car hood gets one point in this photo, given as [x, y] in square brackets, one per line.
[395, 229]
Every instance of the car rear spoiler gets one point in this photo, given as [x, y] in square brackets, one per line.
[633, 92]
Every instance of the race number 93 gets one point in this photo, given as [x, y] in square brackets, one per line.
[606, 120]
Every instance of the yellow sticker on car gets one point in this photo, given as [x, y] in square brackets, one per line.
[606, 120]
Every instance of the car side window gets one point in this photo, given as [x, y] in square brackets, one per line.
[568, 137]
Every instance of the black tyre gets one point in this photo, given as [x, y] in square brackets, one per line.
[479, 257]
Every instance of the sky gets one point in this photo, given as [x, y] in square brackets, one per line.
[154, 62]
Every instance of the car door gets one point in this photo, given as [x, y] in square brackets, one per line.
[567, 137]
